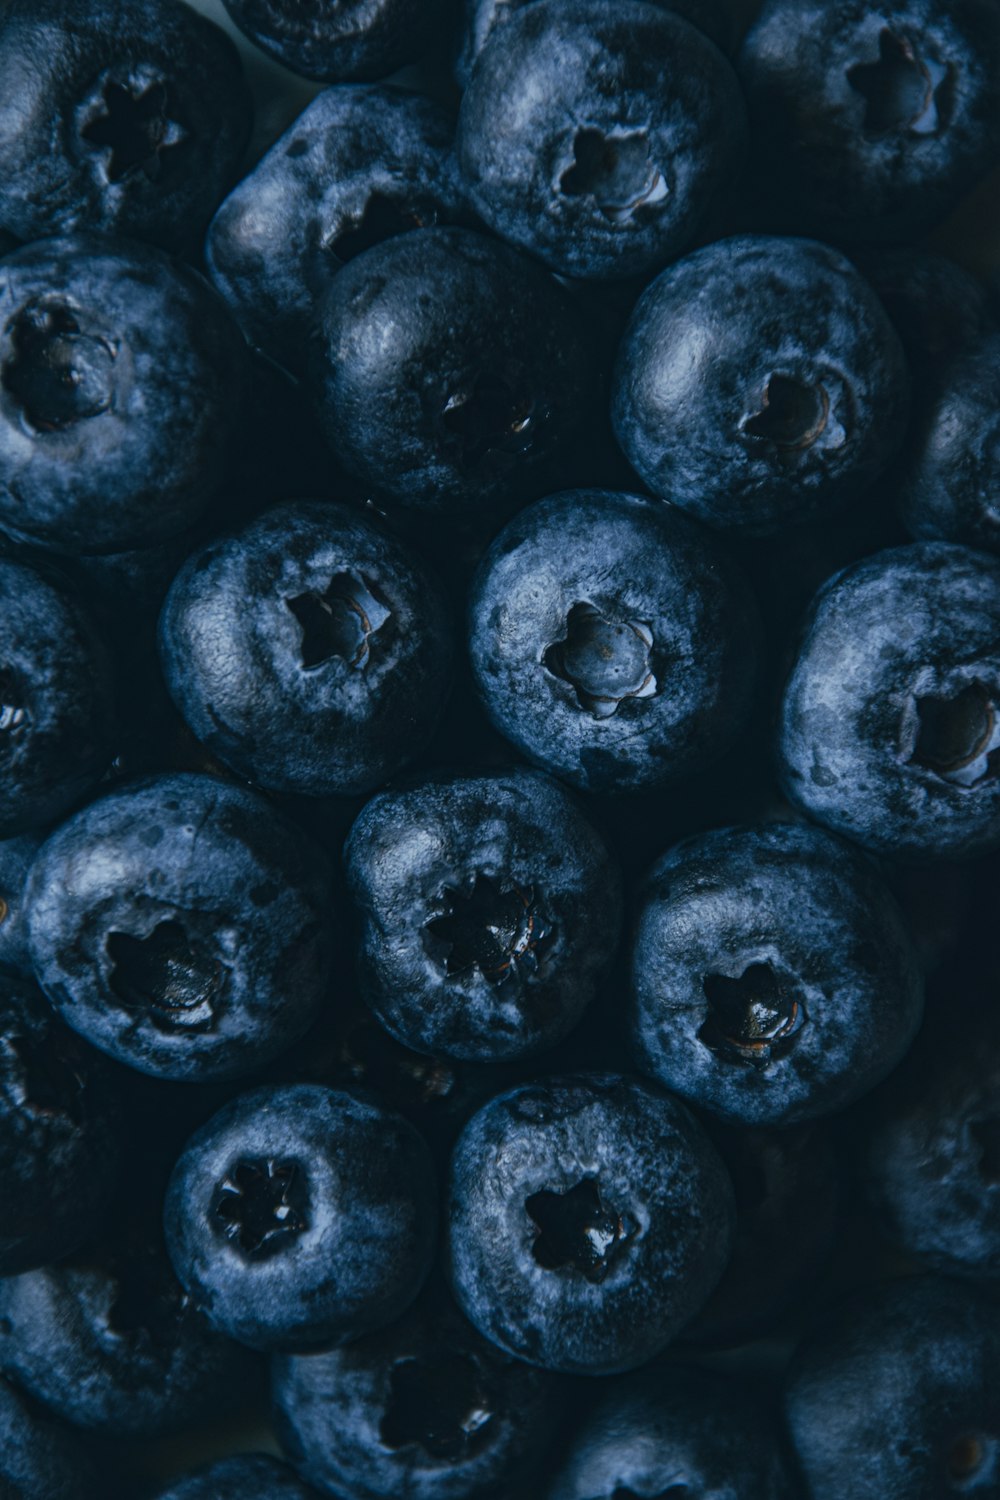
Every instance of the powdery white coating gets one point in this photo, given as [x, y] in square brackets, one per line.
[654, 1167]
[817, 913]
[363, 1189]
[410, 850]
[636, 562]
[883, 1398]
[913, 622]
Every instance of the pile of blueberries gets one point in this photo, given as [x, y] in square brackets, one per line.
[499, 753]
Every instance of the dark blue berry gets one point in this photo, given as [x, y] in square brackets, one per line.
[353, 39]
[611, 641]
[38, 1461]
[183, 926]
[935, 305]
[490, 913]
[760, 383]
[300, 1217]
[249, 1476]
[590, 1217]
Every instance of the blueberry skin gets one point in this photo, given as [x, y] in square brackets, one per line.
[123, 118]
[896, 1398]
[60, 1133]
[300, 1217]
[109, 1342]
[449, 373]
[425, 1408]
[611, 642]
[123, 375]
[16, 858]
[868, 121]
[510, 857]
[773, 976]
[629, 1226]
[37, 1460]
[359, 39]
[249, 1476]
[935, 305]
[887, 723]
[183, 926]
[481, 18]
[930, 1152]
[57, 701]
[681, 1429]
[311, 651]
[595, 133]
[359, 165]
[951, 489]
[759, 383]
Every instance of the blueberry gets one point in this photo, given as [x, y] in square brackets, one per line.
[931, 1152]
[936, 306]
[951, 487]
[121, 381]
[359, 165]
[311, 652]
[121, 117]
[38, 1461]
[300, 1217]
[888, 726]
[331, 42]
[57, 700]
[109, 1341]
[449, 372]
[16, 858]
[773, 977]
[248, 1476]
[869, 122]
[716, 18]
[674, 1432]
[183, 926]
[60, 1133]
[425, 1408]
[595, 133]
[895, 1398]
[590, 1217]
[490, 912]
[759, 382]
[611, 641]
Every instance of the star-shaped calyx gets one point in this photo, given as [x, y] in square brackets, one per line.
[130, 124]
[606, 660]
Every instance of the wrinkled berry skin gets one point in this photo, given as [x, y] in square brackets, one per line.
[930, 1153]
[935, 305]
[611, 642]
[676, 1428]
[332, 43]
[629, 1225]
[450, 373]
[481, 18]
[248, 1476]
[773, 977]
[887, 725]
[37, 1460]
[183, 926]
[60, 1131]
[118, 118]
[868, 121]
[759, 383]
[122, 375]
[895, 1398]
[109, 1342]
[490, 913]
[16, 858]
[300, 1217]
[425, 1408]
[57, 701]
[595, 134]
[951, 490]
[292, 696]
[359, 165]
